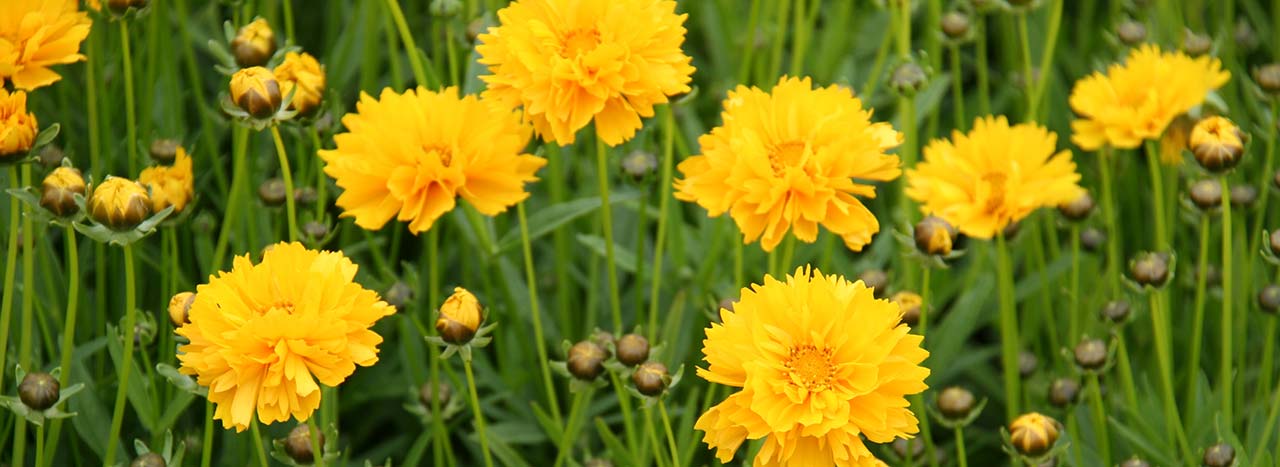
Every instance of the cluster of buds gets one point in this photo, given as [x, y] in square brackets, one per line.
[268, 85]
[628, 355]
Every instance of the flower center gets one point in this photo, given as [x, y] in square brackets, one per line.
[788, 154]
[994, 183]
[580, 41]
[810, 367]
[443, 152]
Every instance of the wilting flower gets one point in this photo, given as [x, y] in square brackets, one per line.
[18, 129]
[410, 155]
[822, 364]
[792, 159]
[119, 203]
[262, 335]
[256, 91]
[303, 72]
[38, 34]
[570, 62]
[992, 176]
[1136, 100]
[59, 189]
[254, 44]
[170, 185]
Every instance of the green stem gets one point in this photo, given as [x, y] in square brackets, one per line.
[287, 175]
[411, 47]
[131, 124]
[258, 449]
[126, 366]
[926, 427]
[652, 434]
[450, 53]
[475, 410]
[1099, 419]
[877, 67]
[779, 38]
[1073, 430]
[237, 197]
[1073, 319]
[1197, 322]
[206, 446]
[1046, 59]
[1225, 377]
[39, 444]
[1268, 356]
[1173, 422]
[961, 458]
[69, 326]
[1272, 415]
[1109, 215]
[322, 183]
[606, 224]
[317, 448]
[799, 38]
[570, 433]
[1008, 330]
[749, 44]
[624, 403]
[664, 203]
[10, 269]
[531, 277]
[1028, 76]
[671, 437]
[984, 80]
[286, 7]
[1157, 197]
[1125, 369]
[957, 89]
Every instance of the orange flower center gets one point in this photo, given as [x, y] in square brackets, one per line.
[810, 367]
[994, 183]
[788, 154]
[580, 41]
[443, 152]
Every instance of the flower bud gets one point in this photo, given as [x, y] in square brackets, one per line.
[955, 24]
[301, 74]
[586, 360]
[254, 44]
[1246, 37]
[651, 378]
[204, 223]
[908, 78]
[1196, 44]
[1135, 462]
[1219, 455]
[272, 192]
[876, 280]
[1033, 434]
[934, 236]
[1217, 143]
[1027, 363]
[256, 91]
[1078, 208]
[1269, 298]
[144, 333]
[399, 295]
[639, 164]
[1150, 269]
[1063, 392]
[907, 448]
[955, 403]
[163, 151]
[119, 203]
[633, 349]
[1131, 32]
[459, 317]
[18, 128]
[910, 305]
[1268, 78]
[51, 156]
[39, 391]
[315, 231]
[1206, 194]
[1275, 242]
[298, 444]
[149, 459]
[180, 308]
[1116, 311]
[605, 340]
[58, 190]
[1092, 238]
[1243, 196]
[305, 196]
[439, 394]
[1091, 354]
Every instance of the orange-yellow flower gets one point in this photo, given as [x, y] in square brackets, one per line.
[18, 128]
[302, 71]
[170, 185]
[264, 336]
[992, 176]
[791, 160]
[569, 62]
[1135, 101]
[36, 35]
[822, 365]
[411, 155]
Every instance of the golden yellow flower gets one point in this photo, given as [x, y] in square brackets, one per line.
[569, 62]
[822, 365]
[180, 308]
[302, 71]
[263, 335]
[460, 317]
[18, 129]
[1136, 100]
[38, 34]
[170, 185]
[410, 155]
[992, 176]
[256, 91]
[254, 44]
[119, 203]
[792, 159]
[1217, 143]
[58, 191]
[1033, 434]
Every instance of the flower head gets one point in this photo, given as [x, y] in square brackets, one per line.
[569, 62]
[119, 203]
[18, 128]
[263, 335]
[171, 185]
[822, 364]
[792, 160]
[1217, 143]
[58, 191]
[256, 91]
[460, 317]
[254, 44]
[992, 176]
[411, 155]
[36, 35]
[1136, 100]
[302, 75]
[1033, 434]
[180, 308]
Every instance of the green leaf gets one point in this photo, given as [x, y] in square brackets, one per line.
[623, 257]
[548, 219]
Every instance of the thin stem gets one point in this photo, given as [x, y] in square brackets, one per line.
[287, 175]
[671, 437]
[1008, 329]
[1268, 356]
[1099, 419]
[651, 433]
[877, 67]
[664, 203]
[799, 38]
[286, 7]
[1273, 414]
[1109, 216]
[126, 366]
[131, 124]
[475, 410]
[1173, 421]
[1073, 319]
[961, 458]
[1197, 322]
[606, 224]
[624, 403]
[206, 445]
[779, 38]
[1046, 59]
[535, 309]
[1028, 74]
[10, 269]
[570, 432]
[1157, 198]
[926, 427]
[749, 44]
[317, 448]
[1224, 378]
[237, 197]
[69, 326]
[258, 450]
[1126, 371]
[984, 80]
[39, 445]
[957, 89]
[1073, 430]
[406, 38]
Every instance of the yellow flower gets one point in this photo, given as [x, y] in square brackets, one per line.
[1136, 100]
[410, 155]
[792, 160]
[1033, 434]
[1175, 140]
[822, 364]
[459, 317]
[568, 62]
[995, 175]
[254, 44]
[180, 308]
[303, 71]
[262, 336]
[38, 34]
[1217, 143]
[256, 91]
[58, 190]
[170, 185]
[18, 129]
[119, 203]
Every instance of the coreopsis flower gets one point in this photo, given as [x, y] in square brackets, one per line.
[170, 185]
[411, 155]
[302, 75]
[18, 128]
[822, 365]
[792, 160]
[995, 175]
[254, 44]
[36, 35]
[264, 336]
[460, 317]
[59, 189]
[256, 91]
[571, 62]
[119, 203]
[1136, 100]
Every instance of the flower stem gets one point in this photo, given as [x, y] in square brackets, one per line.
[671, 437]
[258, 450]
[1173, 422]
[206, 446]
[475, 410]
[286, 7]
[1224, 378]
[28, 294]
[1028, 73]
[39, 445]
[749, 44]
[961, 458]
[624, 402]
[1197, 321]
[69, 327]
[1157, 197]
[131, 124]
[779, 38]
[1109, 216]
[957, 89]
[1008, 329]
[664, 203]
[1126, 371]
[1099, 419]
[984, 80]
[317, 448]
[606, 223]
[652, 434]
[570, 432]
[1073, 319]
[1268, 356]
[535, 309]
[411, 47]
[287, 174]
[926, 427]
[1272, 415]
[239, 187]
[126, 366]
[10, 269]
